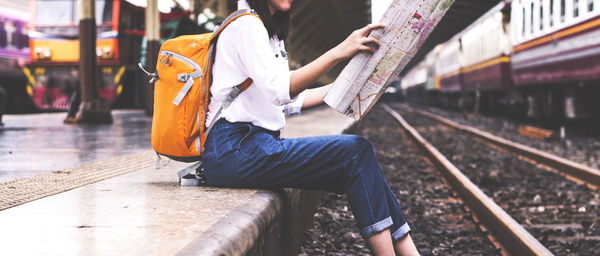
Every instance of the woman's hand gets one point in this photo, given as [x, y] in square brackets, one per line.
[357, 41]
[305, 76]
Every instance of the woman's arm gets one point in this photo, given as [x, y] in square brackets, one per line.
[304, 77]
[314, 97]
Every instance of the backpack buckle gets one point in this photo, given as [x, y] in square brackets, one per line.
[183, 77]
[153, 76]
[165, 59]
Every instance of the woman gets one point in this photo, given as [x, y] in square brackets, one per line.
[243, 149]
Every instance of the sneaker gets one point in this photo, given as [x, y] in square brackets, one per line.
[70, 120]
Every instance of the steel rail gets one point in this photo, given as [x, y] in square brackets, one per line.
[577, 170]
[511, 235]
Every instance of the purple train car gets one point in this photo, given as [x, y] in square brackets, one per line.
[14, 54]
[486, 52]
[448, 71]
[556, 56]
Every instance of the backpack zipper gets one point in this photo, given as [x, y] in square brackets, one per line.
[182, 59]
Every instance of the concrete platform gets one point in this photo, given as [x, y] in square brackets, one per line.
[145, 212]
[39, 143]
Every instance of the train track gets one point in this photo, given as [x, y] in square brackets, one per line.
[440, 222]
[561, 221]
[511, 235]
[583, 173]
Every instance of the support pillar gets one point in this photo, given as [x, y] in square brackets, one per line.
[92, 109]
[195, 8]
[223, 9]
[153, 46]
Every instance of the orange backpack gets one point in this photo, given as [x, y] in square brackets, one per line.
[181, 93]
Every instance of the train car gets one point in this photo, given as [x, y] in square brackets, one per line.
[486, 54]
[14, 54]
[556, 56]
[448, 68]
[413, 83]
[53, 38]
[420, 83]
[432, 84]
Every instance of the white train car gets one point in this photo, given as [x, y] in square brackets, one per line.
[485, 54]
[486, 50]
[448, 72]
[432, 85]
[448, 67]
[413, 83]
[415, 77]
[420, 83]
[556, 56]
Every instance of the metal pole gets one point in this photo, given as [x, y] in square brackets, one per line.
[195, 8]
[223, 9]
[153, 45]
[92, 108]
[477, 101]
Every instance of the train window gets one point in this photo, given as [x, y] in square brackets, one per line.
[590, 5]
[541, 16]
[104, 11]
[13, 36]
[532, 18]
[576, 8]
[53, 13]
[551, 13]
[24, 40]
[10, 33]
[2, 35]
[524, 21]
[563, 11]
[64, 12]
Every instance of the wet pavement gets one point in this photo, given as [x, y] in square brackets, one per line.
[39, 143]
[142, 212]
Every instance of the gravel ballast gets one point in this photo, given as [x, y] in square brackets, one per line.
[440, 223]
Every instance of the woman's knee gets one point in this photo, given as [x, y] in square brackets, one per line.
[364, 142]
[361, 154]
[359, 145]
[357, 142]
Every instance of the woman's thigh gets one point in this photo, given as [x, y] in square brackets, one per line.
[263, 160]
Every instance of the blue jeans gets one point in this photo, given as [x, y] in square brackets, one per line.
[242, 155]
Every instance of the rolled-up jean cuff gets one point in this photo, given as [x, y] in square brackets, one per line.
[401, 232]
[379, 226]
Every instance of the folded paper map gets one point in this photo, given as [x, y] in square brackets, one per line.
[367, 75]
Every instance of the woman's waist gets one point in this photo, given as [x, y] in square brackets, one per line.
[224, 124]
[268, 118]
[227, 135]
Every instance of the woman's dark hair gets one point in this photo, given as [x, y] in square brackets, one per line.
[278, 24]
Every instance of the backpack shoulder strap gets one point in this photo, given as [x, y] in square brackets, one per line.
[215, 36]
[212, 52]
[233, 16]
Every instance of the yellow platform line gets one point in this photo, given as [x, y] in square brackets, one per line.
[23, 190]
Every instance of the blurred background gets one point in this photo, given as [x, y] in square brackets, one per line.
[534, 58]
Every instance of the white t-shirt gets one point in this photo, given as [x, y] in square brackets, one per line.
[244, 50]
